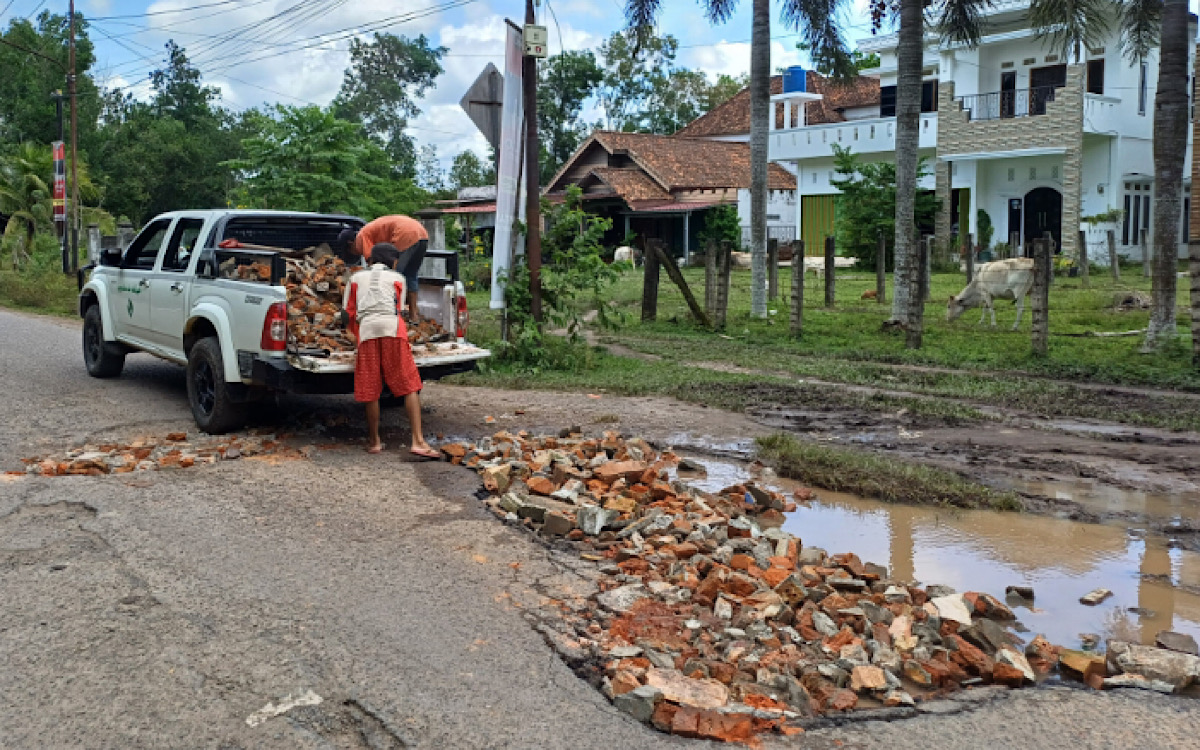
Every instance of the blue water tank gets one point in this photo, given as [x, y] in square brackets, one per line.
[795, 79]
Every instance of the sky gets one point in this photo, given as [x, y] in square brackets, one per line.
[306, 51]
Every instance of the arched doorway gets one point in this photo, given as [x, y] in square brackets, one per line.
[1043, 213]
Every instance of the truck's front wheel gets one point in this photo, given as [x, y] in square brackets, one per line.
[212, 408]
[102, 359]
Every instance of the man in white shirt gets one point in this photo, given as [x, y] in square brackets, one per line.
[373, 301]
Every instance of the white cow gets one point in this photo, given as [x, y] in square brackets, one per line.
[623, 254]
[1004, 279]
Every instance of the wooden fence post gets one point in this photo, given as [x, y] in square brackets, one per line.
[830, 268]
[928, 266]
[798, 288]
[881, 270]
[916, 306]
[1114, 262]
[1147, 255]
[1084, 263]
[650, 284]
[1041, 297]
[665, 259]
[725, 259]
[970, 258]
[772, 269]
[711, 265]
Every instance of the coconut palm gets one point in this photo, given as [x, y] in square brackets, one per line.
[25, 198]
[817, 22]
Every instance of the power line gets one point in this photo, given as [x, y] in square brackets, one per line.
[36, 8]
[166, 12]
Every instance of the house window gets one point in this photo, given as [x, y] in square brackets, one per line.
[1187, 208]
[1095, 76]
[929, 96]
[1142, 75]
[887, 101]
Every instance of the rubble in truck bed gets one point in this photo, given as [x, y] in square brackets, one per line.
[713, 622]
[316, 282]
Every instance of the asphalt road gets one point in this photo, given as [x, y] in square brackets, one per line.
[161, 610]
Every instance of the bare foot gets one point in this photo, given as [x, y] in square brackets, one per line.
[377, 448]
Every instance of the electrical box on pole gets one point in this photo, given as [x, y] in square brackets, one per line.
[536, 40]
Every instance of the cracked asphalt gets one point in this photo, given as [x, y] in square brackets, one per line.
[160, 610]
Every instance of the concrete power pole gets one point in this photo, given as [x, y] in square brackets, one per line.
[533, 235]
[73, 214]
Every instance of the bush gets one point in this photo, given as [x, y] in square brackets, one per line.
[572, 269]
[721, 224]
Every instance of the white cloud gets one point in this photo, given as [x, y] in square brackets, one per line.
[733, 58]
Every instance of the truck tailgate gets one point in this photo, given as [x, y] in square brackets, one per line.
[426, 355]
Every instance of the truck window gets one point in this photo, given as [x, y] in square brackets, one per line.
[184, 242]
[144, 250]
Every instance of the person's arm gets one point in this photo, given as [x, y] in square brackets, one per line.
[398, 285]
[351, 309]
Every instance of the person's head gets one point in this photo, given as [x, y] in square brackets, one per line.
[385, 253]
[347, 240]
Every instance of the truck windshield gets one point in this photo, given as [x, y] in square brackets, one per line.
[287, 232]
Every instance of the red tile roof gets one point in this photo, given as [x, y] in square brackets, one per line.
[733, 116]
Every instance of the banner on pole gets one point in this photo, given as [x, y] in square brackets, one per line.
[508, 177]
[60, 182]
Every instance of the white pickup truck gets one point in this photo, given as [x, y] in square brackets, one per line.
[165, 295]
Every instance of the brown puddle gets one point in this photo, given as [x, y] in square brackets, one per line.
[1102, 499]
[1154, 587]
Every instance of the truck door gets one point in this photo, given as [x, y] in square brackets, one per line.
[130, 304]
[170, 287]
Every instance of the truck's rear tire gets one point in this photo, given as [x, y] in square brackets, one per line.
[213, 410]
[103, 359]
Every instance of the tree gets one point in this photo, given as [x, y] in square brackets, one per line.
[33, 59]
[644, 91]
[166, 154]
[430, 175]
[866, 207]
[381, 87]
[907, 304]
[565, 83]
[467, 170]
[817, 20]
[1170, 145]
[306, 159]
[724, 89]
[859, 59]
[26, 196]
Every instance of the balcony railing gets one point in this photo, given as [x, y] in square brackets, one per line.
[1002, 105]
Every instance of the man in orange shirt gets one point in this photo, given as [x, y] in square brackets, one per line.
[404, 233]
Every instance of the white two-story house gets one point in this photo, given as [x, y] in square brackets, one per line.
[1036, 140]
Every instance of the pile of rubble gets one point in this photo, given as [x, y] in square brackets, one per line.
[316, 282]
[316, 286]
[174, 451]
[711, 621]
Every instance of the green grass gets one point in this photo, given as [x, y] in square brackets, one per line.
[870, 475]
[985, 366]
[44, 291]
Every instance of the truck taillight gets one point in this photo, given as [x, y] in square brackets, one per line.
[274, 332]
[462, 317]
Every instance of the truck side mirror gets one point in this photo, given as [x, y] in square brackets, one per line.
[110, 256]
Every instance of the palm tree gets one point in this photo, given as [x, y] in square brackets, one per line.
[1170, 143]
[910, 46]
[817, 22]
[25, 198]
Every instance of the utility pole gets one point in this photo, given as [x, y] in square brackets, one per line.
[74, 202]
[65, 244]
[533, 232]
